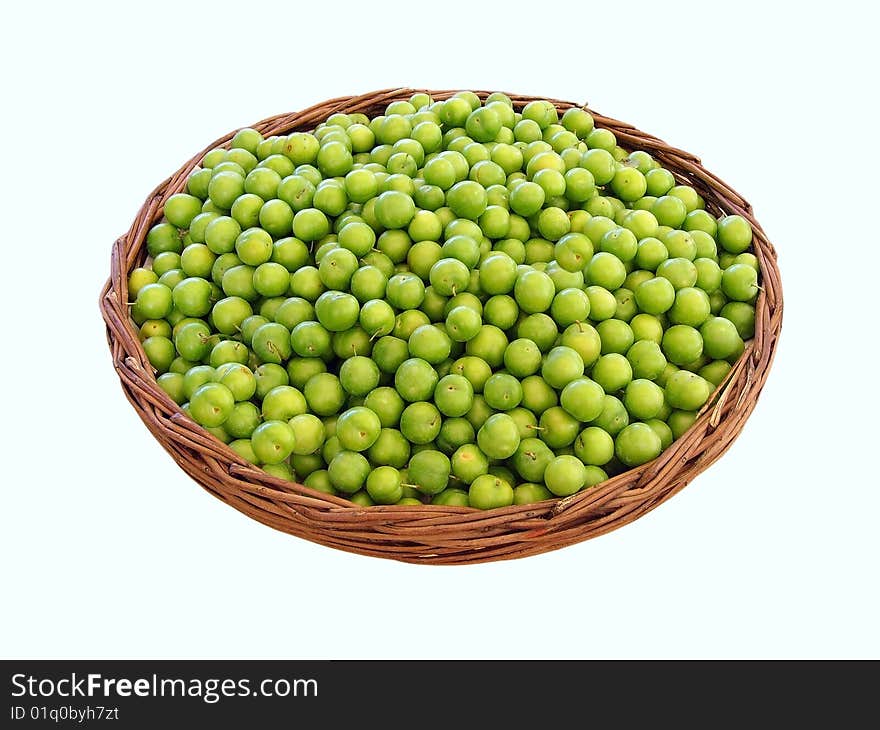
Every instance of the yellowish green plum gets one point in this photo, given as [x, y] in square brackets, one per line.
[470, 303]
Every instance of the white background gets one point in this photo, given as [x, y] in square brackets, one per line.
[110, 550]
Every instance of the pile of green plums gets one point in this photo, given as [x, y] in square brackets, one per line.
[453, 302]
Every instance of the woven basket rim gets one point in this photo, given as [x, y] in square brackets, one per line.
[436, 534]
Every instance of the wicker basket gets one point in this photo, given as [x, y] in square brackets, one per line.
[436, 534]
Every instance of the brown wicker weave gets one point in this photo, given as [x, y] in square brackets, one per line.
[431, 533]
